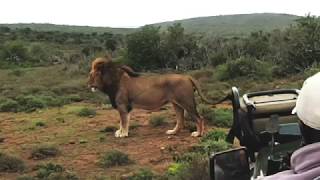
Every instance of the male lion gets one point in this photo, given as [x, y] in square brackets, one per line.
[127, 90]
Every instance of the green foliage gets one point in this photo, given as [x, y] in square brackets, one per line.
[158, 120]
[40, 123]
[144, 48]
[114, 158]
[216, 117]
[44, 151]
[175, 169]
[52, 171]
[10, 163]
[245, 67]
[9, 105]
[214, 135]
[222, 118]
[142, 174]
[87, 112]
[30, 103]
[195, 168]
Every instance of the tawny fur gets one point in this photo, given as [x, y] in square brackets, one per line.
[127, 89]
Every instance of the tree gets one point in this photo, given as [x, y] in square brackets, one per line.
[144, 48]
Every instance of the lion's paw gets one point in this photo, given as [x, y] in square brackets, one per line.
[120, 133]
[171, 132]
[195, 134]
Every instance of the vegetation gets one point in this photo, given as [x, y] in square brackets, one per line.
[114, 158]
[142, 174]
[41, 69]
[158, 120]
[54, 171]
[44, 151]
[87, 112]
[10, 163]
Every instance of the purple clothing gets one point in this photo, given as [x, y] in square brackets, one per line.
[305, 165]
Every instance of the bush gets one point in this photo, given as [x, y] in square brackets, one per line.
[40, 124]
[9, 105]
[216, 117]
[114, 158]
[159, 120]
[214, 135]
[196, 168]
[222, 118]
[245, 67]
[175, 169]
[142, 174]
[44, 151]
[10, 163]
[52, 171]
[87, 112]
[30, 103]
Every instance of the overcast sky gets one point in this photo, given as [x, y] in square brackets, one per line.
[134, 13]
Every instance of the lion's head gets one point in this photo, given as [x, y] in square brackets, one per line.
[105, 74]
[96, 73]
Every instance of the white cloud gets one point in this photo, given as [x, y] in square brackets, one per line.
[132, 13]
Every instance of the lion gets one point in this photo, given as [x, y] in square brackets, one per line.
[128, 90]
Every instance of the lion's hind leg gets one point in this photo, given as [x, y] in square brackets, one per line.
[180, 119]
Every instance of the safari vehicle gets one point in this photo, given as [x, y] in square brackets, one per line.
[267, 131]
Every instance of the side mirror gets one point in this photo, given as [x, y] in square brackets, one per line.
[230, 165]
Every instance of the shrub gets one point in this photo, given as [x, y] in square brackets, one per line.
[52, 171]
[214, 135]
[87, 112]
[10, 163]
[44, 151]
[30, 103]
[175, 169]
[40, 124]
[196, 168]
[245, 67]
[9, 105]
[217, 117]
[214, 146]
[159, 120]
[222, 118]
[142, 174]
[114, 158]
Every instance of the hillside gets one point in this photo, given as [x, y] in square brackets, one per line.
[69, 28]
[226, 25]
[229, 25]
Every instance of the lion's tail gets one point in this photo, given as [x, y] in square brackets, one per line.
[197, 87]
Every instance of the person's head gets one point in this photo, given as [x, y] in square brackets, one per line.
[308, 109]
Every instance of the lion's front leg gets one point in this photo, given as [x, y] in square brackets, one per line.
[124, 125]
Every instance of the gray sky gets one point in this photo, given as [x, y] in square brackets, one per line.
[133, 13]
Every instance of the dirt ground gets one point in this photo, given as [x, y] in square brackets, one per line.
[81, 143]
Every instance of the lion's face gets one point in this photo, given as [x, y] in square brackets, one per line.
[95, 80]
